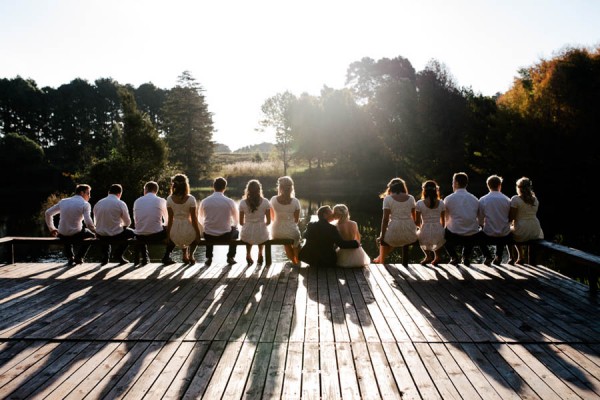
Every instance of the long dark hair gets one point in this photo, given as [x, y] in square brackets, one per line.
[525, 190]
[431, 191]
[253, 194]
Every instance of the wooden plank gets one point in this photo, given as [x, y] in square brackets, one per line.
[311, 387]
[292, 384]
[28, 366]
[355, 332]
[199, 382]
[364, 371]
[420, 376]
[180, 372]
[338, 312]
[297, 328]
[347, 373]
[368, 289]
[433, 361]
[362, 311]
[286, 316]
[276, 372]
[401, 372]
[498, 373]
[255, 384]
[225, 367]
[312, 313]
[526, 373]
[385, 378]
[324, 308]
[330, 380]
[241, 371]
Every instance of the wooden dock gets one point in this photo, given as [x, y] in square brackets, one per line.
[262, 332]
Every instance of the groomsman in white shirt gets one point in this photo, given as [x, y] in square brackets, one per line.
[112, 220]
[219, 217]
[150, 218]
[73, 211]
[462, 225]
[494, 208]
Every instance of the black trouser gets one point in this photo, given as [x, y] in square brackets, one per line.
[121, 239]
[153, 238]
[499, 242]
[467, 242]
[76, 239]
[224, 238]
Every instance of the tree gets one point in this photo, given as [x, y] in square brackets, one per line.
[141, 155]
[387, 91]
[277, 115]
[188, 127]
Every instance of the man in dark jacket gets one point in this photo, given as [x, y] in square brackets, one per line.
[322, 239]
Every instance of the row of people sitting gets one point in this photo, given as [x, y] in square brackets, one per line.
[459, 220]
[177, 220]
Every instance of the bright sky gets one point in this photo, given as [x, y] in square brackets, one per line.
[244, 51]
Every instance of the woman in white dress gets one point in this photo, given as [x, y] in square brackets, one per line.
[183, 228]
[255, 216]
[430, 220]
[285, 213]
[398, 228]
[348, 230]
[523, 214]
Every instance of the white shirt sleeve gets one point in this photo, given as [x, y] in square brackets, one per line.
[50, 213]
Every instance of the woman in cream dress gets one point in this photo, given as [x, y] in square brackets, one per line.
[255, 216]
[398, 228]
[523, 214]
[285, 213]
[430, 219]
[348, 230]
[183, 228]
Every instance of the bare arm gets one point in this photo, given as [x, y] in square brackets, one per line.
[241, 219]
[512, 214]
[384, 222]
[195, 224]
[419, 219]
[169, 220]
[268, 216]
[443, 218]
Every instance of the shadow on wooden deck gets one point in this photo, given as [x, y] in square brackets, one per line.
[236, 331]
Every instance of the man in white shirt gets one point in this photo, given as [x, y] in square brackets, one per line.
[112, 220]
[219, 216]
[150, 216]
[462, 225]
[494, 208]
[73, 211]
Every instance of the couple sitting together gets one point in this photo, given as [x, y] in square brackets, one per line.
[329, 245]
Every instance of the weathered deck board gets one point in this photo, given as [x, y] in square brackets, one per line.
[237, 331]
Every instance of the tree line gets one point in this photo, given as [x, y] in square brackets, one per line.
[388, 120]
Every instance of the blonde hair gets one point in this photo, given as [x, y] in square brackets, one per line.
[342, 211]
[285, 186]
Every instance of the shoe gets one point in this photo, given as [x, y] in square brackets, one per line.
[518, 262]
[249, 260]
[497, 261]
[260, 260]
[488, 261]
[435, 262]
[208, 262]
[231, 260]
[123, 261]
[78, 261]
[425, 261]
[192, 261]
[168, 261]
[466, 262]
[144, 261]
[511, 261]
[104, 261]
[453, 261]
[70, 262]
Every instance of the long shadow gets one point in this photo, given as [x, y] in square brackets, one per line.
[91, 308]
[484, 313]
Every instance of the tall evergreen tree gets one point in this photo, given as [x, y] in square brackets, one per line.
[188, 127]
